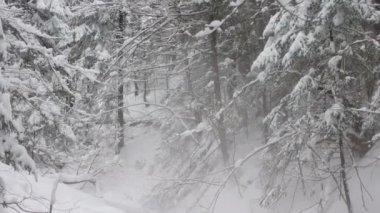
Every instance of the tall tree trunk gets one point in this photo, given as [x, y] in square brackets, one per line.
[344, 175]
[172, 58]
[265, 113]
[217, 90]
[120, 94]
[173, 15]
[136, 89]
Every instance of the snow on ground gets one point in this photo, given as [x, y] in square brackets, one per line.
[366, 198]
[242, 195]
[244, 198]
[36, 195]
[125, 185]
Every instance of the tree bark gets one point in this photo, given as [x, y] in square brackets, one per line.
[145, 90]
[120, 94]
[217, 90]
[344, 175]
[265, 113]
[172, 58]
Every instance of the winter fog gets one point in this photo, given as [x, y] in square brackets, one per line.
[189, 106]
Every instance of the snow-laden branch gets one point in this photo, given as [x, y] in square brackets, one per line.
[235, 96]
[365, 110]
[215, 24]
[237, 164]
[174, 114]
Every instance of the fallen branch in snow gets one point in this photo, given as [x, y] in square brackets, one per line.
[309, 207]
[68, 179]
[19, 206]
[188, 181]
[16, 204]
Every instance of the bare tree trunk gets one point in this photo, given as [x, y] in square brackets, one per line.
[265, 113]
[145, 90]
[167, 78]
[196, 110]
[344, 175]
[171, 58]
[173, 15]
[120, 94]
[217, 90]
[136, 89]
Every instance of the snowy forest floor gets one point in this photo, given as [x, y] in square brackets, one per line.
[128, 182]
[124, 185]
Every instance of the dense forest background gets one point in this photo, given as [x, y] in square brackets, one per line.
[280, 95]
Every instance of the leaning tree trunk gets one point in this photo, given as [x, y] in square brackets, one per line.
[217, 90]
[343, 174]
[120, 92]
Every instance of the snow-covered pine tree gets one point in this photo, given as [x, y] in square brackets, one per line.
[320, 60]
[38, 77]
